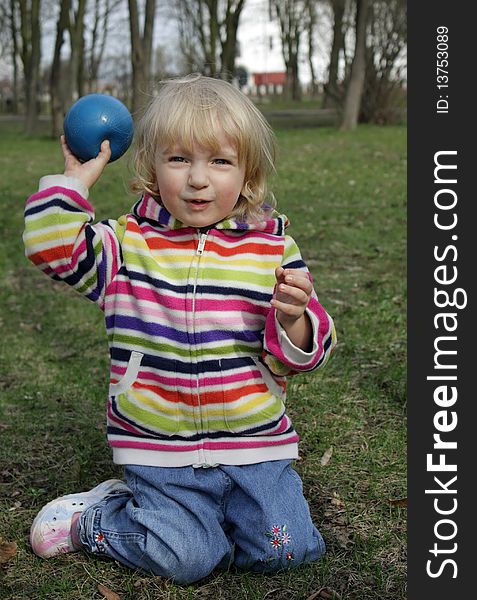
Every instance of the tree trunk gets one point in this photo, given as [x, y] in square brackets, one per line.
[293, 55]
[229, 39]
[290, 15]
[76, 29]
[332, 96]
[14, 55]
[311, 24]
[57, 101]
[354, 91]
[293, 80]
[31, 54]
[214, 37]
[141, 50]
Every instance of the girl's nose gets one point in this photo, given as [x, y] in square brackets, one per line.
[198, 177]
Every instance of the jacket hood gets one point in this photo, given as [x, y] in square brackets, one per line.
[148, 208]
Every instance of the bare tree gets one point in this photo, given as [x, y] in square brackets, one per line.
[191, 58]
[332, 93]
[5, 35]
[31, 56]
[77, 42]
[141, 49]
[311, 21]
[74, 76]
[5, 32]
[383, 96]
[57, 101]
[199, 28]
[100, 28]
[228, 38]
[385, 62]
[9, 43]
[354, 90]
[208, 32]
[291, 16]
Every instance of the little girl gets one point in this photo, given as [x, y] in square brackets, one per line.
[208, 308]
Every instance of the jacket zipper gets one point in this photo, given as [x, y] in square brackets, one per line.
[201, 244]
[199, 252]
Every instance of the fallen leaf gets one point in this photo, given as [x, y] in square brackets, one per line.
[7, 551]
[107, 593]
[335, 501]
[325, 459]
[399, 502]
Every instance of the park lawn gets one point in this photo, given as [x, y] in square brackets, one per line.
[345, 196]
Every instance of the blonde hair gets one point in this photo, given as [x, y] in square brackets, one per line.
[194, 110]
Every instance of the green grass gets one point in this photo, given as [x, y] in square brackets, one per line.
[345, 196]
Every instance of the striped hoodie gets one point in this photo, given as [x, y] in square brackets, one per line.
[198, 359]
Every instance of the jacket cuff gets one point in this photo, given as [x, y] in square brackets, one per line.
[71, 183]
[289, 353]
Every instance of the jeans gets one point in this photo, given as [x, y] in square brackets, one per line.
[181, 523]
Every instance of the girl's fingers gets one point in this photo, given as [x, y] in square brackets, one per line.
[293, 277]
[291, 310]
[299, 279]
[105, 151]
[295, 293]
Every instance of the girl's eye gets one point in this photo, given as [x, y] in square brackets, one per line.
[221, 161]
[176, 159]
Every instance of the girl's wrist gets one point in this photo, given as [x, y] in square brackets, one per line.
[299, 331]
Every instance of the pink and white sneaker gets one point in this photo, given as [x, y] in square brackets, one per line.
[50, 533]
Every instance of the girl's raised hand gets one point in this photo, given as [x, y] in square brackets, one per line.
[88, 172]
[291, 298]
[292, 294]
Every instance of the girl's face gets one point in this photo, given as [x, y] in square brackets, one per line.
[199, 187]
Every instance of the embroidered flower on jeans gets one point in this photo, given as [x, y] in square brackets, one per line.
[280, 536]
[281, 541]
[100, 541]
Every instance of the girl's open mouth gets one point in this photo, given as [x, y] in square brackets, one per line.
[198, 204]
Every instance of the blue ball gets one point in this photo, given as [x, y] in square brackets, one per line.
[93, 119]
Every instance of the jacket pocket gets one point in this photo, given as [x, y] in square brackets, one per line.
[129, 377]
[256, 408]
[148, 403]
[271, 380]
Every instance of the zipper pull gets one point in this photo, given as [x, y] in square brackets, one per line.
[200, 247]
